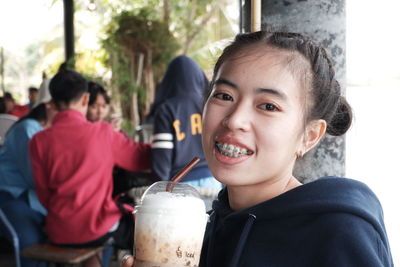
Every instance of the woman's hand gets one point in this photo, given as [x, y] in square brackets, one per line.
[127, 261]
[116, 122]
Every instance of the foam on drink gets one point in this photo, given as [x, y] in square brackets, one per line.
[169, 229]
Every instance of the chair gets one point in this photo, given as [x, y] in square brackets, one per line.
[13, 235]
[6, 121]
[46, 252]
[61, 255]
[144, 132]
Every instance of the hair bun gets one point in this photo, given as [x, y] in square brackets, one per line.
[341, 120]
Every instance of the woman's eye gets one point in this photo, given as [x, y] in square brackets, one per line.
[223, 96]
[269, 107]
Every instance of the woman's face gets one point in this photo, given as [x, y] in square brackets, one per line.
[98, 111]
[253, 120]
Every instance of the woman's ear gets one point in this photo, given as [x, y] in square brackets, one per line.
[315, 130]
[85, 99]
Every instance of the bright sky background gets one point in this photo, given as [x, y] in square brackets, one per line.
[373, 73]
[23, 21]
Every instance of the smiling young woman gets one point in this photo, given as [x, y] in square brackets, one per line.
[273, 97]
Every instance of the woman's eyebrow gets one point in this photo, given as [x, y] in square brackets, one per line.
[225, 82]
[271, 91]
[275, 92]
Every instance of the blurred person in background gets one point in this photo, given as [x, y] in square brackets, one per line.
[13, 108]
[99, 106]
[177, 124]
[18, 198]
[33, 95]
[99, 111]
[72, 163]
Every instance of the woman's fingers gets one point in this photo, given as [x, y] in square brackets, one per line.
[116, 123]
[127, 261]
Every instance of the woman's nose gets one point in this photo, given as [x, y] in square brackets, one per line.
[238, 119]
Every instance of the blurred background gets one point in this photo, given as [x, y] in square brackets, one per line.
[373, 90]
[32, 45]
[125, 44]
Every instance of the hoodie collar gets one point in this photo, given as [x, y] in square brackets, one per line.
[325, 195]
[68, 115]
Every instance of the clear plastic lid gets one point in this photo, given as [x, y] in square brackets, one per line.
[183, 197]
[178, 189]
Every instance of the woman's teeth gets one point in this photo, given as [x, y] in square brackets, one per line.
[231, 150]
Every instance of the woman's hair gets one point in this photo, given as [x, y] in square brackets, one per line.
[37, 113]
[2, 105]
[96, 89]
[327, 102]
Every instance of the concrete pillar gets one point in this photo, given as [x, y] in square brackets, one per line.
[325, 21]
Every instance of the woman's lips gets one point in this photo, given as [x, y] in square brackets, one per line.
[230, 154]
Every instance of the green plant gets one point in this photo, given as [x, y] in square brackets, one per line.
[139, 49]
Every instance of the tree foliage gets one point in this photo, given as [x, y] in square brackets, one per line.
[139, 48]
[157, 30]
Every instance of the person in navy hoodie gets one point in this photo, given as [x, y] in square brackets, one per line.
[273, 97]
[177, 123]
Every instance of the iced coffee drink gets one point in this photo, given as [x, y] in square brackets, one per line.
[169, 227]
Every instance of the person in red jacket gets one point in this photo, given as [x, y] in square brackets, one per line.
[72, 163]
[13, 108]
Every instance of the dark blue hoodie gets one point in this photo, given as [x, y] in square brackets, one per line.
[331, 222]
[177, 123]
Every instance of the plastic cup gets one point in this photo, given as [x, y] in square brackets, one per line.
[169, 226]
